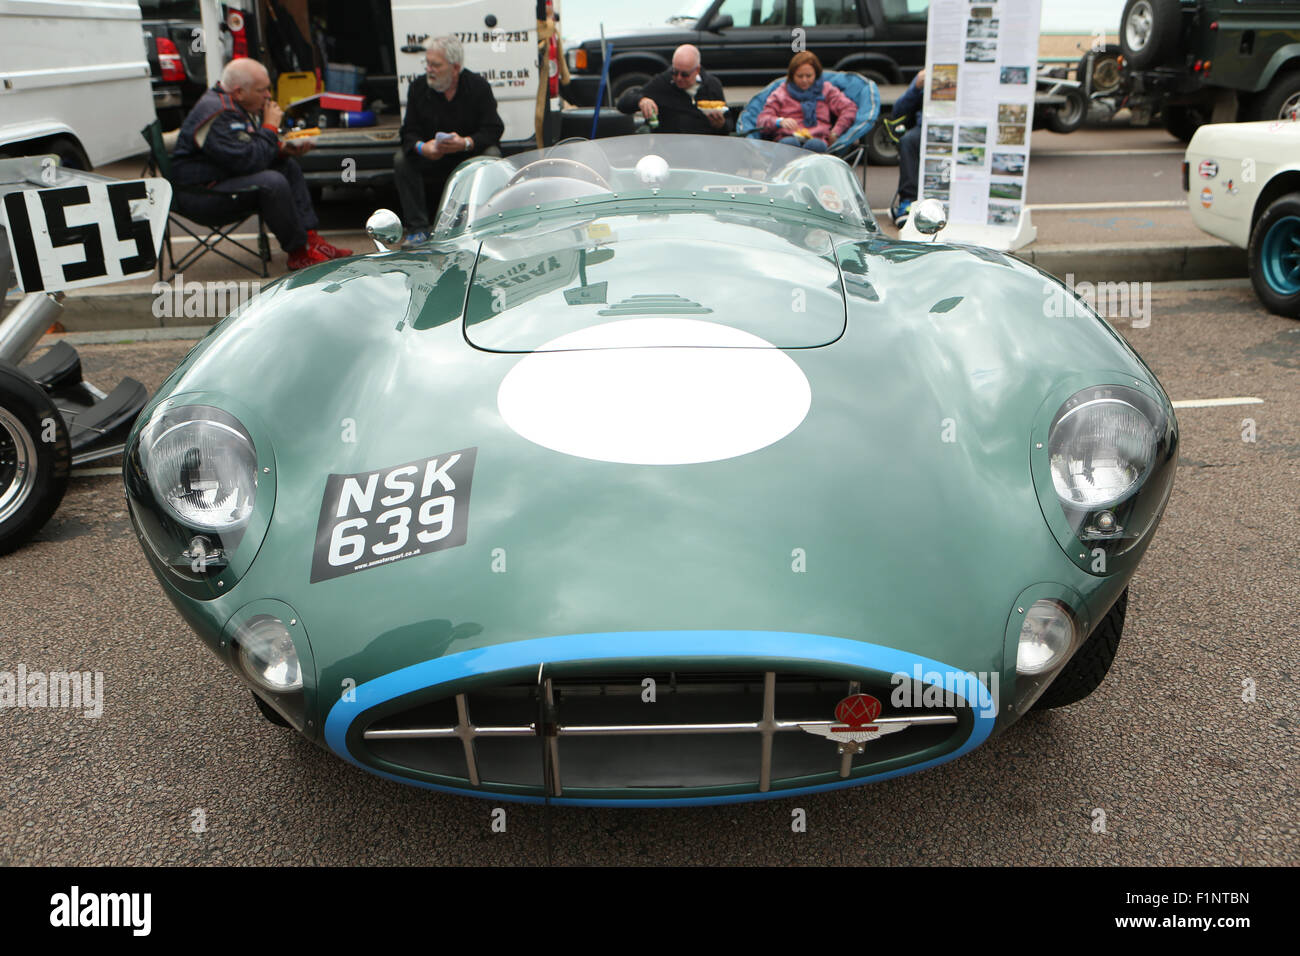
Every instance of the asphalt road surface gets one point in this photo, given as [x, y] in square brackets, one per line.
[1183, 768]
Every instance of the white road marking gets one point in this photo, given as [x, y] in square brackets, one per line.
[1216, 402]
[1143, 204]
[1075, 153]
[1092, 206]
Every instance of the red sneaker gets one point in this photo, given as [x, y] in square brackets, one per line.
[304, 256]
[320, 245]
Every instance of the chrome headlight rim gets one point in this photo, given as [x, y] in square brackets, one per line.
[298, 704]
[1078, 410]
[1028, 687]
[169, 424]
[1076, 528]
[163, 535]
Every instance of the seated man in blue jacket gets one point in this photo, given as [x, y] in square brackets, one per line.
[231, 140]
[909, 150]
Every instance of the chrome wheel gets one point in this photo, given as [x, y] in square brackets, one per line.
[17, 465]
[1137, 29]
[1290, 107]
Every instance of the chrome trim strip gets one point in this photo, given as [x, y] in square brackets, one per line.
[466, 732]
[106, 452]
[767, 727]
[554, 742]
[846, 760]
[633, 729]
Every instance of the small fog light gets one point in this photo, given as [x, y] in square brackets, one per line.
[1106, 522]
[1045, 638]
[267, 654]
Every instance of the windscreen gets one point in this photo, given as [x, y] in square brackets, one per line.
[667, 166]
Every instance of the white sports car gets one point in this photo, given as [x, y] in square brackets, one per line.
[1243, 185]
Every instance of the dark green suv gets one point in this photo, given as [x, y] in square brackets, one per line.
[1201, 61]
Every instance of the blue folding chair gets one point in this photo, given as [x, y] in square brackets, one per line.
[852, 146]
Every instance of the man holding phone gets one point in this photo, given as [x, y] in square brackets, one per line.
[451, 116]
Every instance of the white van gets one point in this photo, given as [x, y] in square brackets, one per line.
[74, 80]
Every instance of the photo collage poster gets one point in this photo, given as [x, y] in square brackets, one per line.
[981, 64]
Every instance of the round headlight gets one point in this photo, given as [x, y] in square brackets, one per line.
[1045, 638]
[267, 654]
[204, 472]
[1100, 451]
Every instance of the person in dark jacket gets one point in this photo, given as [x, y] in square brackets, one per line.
[909, 150]
[230, 140]
[669, 99]
[451, 116]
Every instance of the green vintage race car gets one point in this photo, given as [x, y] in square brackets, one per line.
[657, 476]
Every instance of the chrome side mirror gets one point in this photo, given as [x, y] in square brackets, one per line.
[929, 216]
[384, 226]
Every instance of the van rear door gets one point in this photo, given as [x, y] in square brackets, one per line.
[500, 41]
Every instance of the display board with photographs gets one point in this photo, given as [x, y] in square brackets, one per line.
[979, 107]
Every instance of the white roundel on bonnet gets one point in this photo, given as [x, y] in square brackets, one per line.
[655, 392]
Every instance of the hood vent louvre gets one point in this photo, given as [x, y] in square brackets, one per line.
[655, 304]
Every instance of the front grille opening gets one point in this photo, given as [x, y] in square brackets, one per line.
[704, 729]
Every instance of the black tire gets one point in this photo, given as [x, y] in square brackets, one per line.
[270, 713]
[1274, 256]
[1280, 100]
[1148, 32]
[1068, 116]
[1182, 122]
[627, 81]
[1107, 76]
[35, 458]
[70, 153]
[881, 150]
[1087, 668]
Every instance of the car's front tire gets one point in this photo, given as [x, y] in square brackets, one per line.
[1087, 668]
[35, 458]
[1070, 115]
[269, 712]
[882, 149]
[1281, 100]
[1274, 255]
[1182, 122]
[628, 81]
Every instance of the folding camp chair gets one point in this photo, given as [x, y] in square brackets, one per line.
[245, 206]
[852, 146]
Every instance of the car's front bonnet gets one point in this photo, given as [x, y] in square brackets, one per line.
[899, 512]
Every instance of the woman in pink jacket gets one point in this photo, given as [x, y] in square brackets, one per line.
[806, 110]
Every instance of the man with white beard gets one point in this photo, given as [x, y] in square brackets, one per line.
[451, 116]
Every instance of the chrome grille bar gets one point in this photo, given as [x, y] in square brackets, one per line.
[415, 733]
[465, 731]
[767, 727]
[846, 760]
[554, 742]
